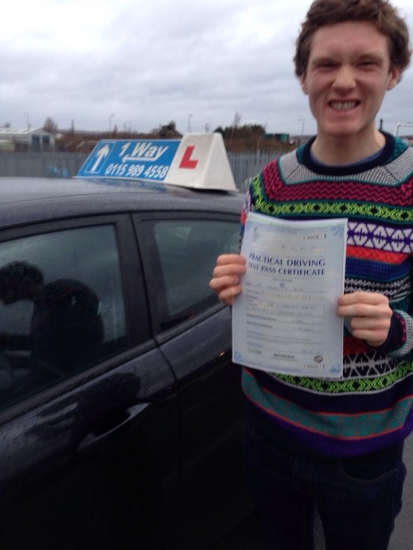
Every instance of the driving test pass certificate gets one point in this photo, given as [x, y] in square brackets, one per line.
[285, 320]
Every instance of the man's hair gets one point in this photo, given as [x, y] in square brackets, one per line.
[330, 12]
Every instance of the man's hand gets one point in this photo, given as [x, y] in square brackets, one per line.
[226, 277]
[370, 315]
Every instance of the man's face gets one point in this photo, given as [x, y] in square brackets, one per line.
[347, 75]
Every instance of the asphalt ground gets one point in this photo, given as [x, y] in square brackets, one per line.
[248, 535]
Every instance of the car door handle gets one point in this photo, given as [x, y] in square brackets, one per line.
[110, 426]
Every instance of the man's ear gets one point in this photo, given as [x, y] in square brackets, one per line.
[394, 77]
[303, 82]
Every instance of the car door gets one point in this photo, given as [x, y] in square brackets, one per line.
[194, 333]
[89, 446]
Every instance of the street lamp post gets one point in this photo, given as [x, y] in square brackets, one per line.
[189, 124]
[258, 143]
[261, 135]
[28, 121]
[110, 124]
[29, 140]
[302, 129]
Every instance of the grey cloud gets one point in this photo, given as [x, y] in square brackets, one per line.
[158, 61]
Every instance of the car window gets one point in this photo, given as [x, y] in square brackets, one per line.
[61, 307]
[188, 250]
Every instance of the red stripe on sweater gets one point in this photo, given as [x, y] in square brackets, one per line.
[372, 254]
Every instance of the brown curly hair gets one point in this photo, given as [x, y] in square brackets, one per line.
[330, 12]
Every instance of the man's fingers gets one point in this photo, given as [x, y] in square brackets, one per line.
[364, 304]
[227, 295]
[374, 338]
[229, 264]
[222, 282]
[364, 310]
[226, 276]
[369, 323]
[226, 259]
[228, 270]
[369, 313]
[368, 298]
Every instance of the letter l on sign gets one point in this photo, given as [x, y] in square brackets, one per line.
[186, 161]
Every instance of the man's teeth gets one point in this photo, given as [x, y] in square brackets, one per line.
[343, 105]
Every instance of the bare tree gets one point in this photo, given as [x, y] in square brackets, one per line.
[50, 125]
[237, 120]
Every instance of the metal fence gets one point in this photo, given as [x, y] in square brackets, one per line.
[60, 165]
[67, 165]
[247, 165]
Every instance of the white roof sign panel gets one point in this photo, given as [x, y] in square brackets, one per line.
[198, 161]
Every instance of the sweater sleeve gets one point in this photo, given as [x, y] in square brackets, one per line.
[247, 207]
[399, 342]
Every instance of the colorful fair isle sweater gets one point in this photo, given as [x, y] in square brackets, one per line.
[370, 407]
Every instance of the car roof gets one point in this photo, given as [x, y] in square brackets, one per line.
[25, 200]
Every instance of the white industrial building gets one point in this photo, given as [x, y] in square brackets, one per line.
[26, 139]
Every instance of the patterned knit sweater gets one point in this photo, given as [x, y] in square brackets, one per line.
[370, 407]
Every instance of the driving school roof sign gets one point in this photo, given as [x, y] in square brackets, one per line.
[198, 161]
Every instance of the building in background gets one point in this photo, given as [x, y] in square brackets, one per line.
[26, 139]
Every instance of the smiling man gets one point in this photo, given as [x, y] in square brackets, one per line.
[338, 444]
[348, 72]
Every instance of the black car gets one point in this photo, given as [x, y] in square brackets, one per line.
[121, 411]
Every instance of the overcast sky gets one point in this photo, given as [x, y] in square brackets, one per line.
[141, 63]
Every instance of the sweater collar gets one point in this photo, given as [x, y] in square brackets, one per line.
[387, 154]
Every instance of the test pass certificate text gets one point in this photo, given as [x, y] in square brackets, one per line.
[285, 318]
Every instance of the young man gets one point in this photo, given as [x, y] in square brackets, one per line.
[338, 443]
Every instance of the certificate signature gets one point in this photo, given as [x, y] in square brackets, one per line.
[284, 320]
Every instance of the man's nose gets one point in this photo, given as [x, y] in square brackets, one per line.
[344, 78]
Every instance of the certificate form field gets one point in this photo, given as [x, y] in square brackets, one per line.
[284, 320]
